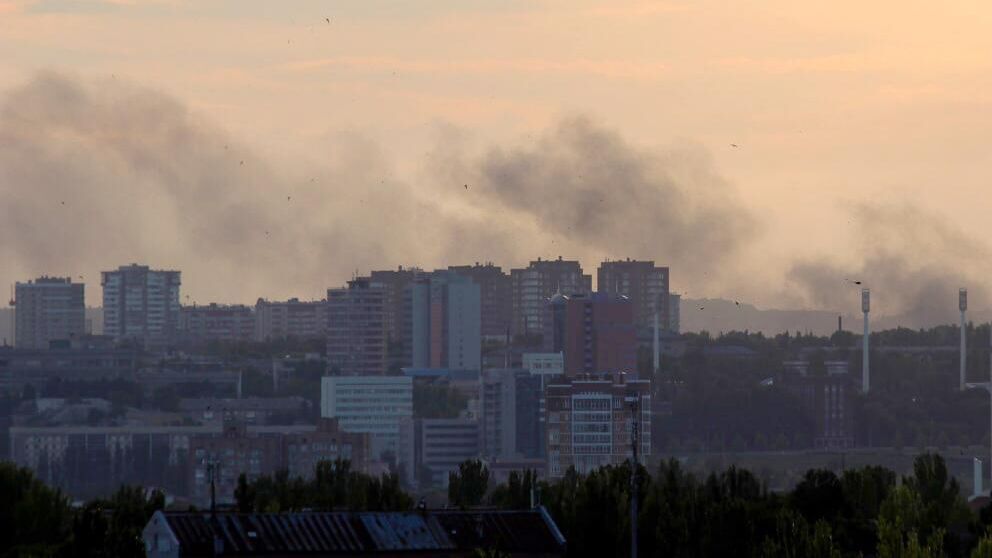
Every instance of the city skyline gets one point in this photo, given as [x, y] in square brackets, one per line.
[297, 142]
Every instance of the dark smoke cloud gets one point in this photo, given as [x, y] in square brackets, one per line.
[914, 262]
[584, 185]
[95, 174]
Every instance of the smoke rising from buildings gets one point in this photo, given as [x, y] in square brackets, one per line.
[913, 260]
[99, 173]
[584, 185]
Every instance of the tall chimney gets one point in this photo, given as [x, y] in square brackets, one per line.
[865, 308]
[963, 307]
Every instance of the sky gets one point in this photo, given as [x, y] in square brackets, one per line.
[767, 150]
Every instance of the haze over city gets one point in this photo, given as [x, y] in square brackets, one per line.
[494, 279]
[765, 153]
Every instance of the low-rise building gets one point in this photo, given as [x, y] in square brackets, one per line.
[430, 449]
[290, 318]
[216, 322]
[447, 533]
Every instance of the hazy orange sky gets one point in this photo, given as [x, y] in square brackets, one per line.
[829, 104]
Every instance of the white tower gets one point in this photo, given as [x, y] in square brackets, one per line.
[865, 308]
[963, 306]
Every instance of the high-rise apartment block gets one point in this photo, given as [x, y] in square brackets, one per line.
[446, 322]
[398, 286]
[141, 303]
[356, 328]
[495, 297]
[589, 422]
[644, 283]
[596, 333]
[48, 309]
[216, 322]
[374, 405]
[531, 287]
[674, 313]
[291, 318]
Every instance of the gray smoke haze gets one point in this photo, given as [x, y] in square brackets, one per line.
[913, 260]
[586, 187]
[98, 173]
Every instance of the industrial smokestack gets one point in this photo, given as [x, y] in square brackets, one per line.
[963, 307]
[865, 308]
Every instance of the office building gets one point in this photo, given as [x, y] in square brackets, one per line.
[589, 422]
[596, 333]
[496, 304]
[141, 304]
[532, 286]
[643, 283]
[510, 414]
[356, 329]
[430, 449]
[48, 309]
[216, 322]
[446, 322]
[291, 318]
[374, 405]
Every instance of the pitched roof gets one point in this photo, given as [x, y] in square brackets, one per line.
[282, 534]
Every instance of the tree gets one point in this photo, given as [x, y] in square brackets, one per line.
[467, 487]
[34, 519]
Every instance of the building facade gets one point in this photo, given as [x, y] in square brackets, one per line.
[643, 283]
[216, 322]
[141, 303]
[510, 414]
[430, 449]
[532, 286]
[398, 285]
[496, 304]
[356, 328]
[259, 451]
[595, 333]
[674, 313]
[446, 322]
[373, 405]
[290, 318]
[48, 309]
[589, 422]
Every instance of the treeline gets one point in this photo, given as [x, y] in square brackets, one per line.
[724, 402]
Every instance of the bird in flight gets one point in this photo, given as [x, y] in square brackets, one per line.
[242, 162]
[702, 308]
[733, 145]
[466, 186]
[853, 281]
[328, 20]
[63, 203]
[288, 198]
[737, 302]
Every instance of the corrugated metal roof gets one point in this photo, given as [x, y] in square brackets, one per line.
[363, 532]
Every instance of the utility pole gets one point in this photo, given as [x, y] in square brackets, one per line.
[635, 415]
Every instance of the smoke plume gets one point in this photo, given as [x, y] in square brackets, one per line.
[99, 173]
[914, 262]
